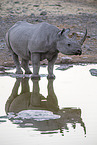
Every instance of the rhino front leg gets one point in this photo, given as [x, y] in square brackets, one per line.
[35, 58]
[25, 65]
[17, 64]
[51, 66]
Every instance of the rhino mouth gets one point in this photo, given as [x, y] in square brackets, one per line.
[78, 52]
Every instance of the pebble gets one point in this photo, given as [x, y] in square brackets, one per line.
[36, 5]
[87, 47]
[80, 33]
[65, 59]
[93, 72]
[64, 67]
[2, 68]
[2, 72]
[43, 13]
[16, 2]
[32, 15]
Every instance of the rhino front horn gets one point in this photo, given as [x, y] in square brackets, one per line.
[83, 39]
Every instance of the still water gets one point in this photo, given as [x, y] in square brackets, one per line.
[51, 112]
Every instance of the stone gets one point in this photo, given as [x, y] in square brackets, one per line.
[16, 2]
[2, 72]
[93, 72]
[43, 13]
[36, 5]
[2, 68]
[12, 12]
[80, 33]
[65, 59]
[87, 47]
[64, 67]
[32, 15]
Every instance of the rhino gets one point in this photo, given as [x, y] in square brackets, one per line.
[40, 41]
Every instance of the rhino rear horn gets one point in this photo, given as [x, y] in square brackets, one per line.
[74, 36]
[83, 39]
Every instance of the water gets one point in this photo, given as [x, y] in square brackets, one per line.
[60, 111]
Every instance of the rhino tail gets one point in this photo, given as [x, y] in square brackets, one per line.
[8, 41]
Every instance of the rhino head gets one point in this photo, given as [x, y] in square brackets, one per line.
[69, 46]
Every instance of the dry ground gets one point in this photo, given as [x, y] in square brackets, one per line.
[77, 15]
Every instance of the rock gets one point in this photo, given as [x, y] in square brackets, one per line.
[43, 13]
[2, 68]
[16, 2]
[87, 47]
[12, 12]
[80, 9]
[64, 67]
[24, 11]
[38, 20]
[32, 15]
[93, 72]
[65, 59]
[85, 57]
[58, 5]
[2, 72]
[80, 33]
[36, 5]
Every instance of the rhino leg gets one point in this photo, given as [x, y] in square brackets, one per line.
[17, 64]
[15, 56]
[35, 58]
[25, 65]
[13, 95]
[51, 66]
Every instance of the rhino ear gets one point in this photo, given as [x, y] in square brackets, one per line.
[67, 30]
[61, 32]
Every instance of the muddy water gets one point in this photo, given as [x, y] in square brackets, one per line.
[60, 111]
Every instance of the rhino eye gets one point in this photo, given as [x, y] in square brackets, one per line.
[69, 44]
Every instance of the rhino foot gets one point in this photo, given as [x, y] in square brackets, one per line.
[51, 77]
[28, 72]
[19, 72]
[36, 77]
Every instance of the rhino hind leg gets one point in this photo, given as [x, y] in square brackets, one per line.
[25, 66]
[15, 56]
[17, 63]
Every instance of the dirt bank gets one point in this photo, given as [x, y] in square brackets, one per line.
[76, 15]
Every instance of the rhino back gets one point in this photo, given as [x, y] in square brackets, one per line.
[19, 35]
[25, 37]
[43, 38]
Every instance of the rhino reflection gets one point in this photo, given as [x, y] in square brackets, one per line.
[32, 109]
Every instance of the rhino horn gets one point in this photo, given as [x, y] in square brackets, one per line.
[74, 36]
[83, 39]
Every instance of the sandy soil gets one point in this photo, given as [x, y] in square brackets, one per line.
[76, 15]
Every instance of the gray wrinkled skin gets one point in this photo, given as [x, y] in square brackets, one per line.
[40, 41]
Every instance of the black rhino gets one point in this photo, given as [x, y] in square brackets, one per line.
[40, 41]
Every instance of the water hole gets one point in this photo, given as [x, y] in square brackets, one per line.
[60, 111]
